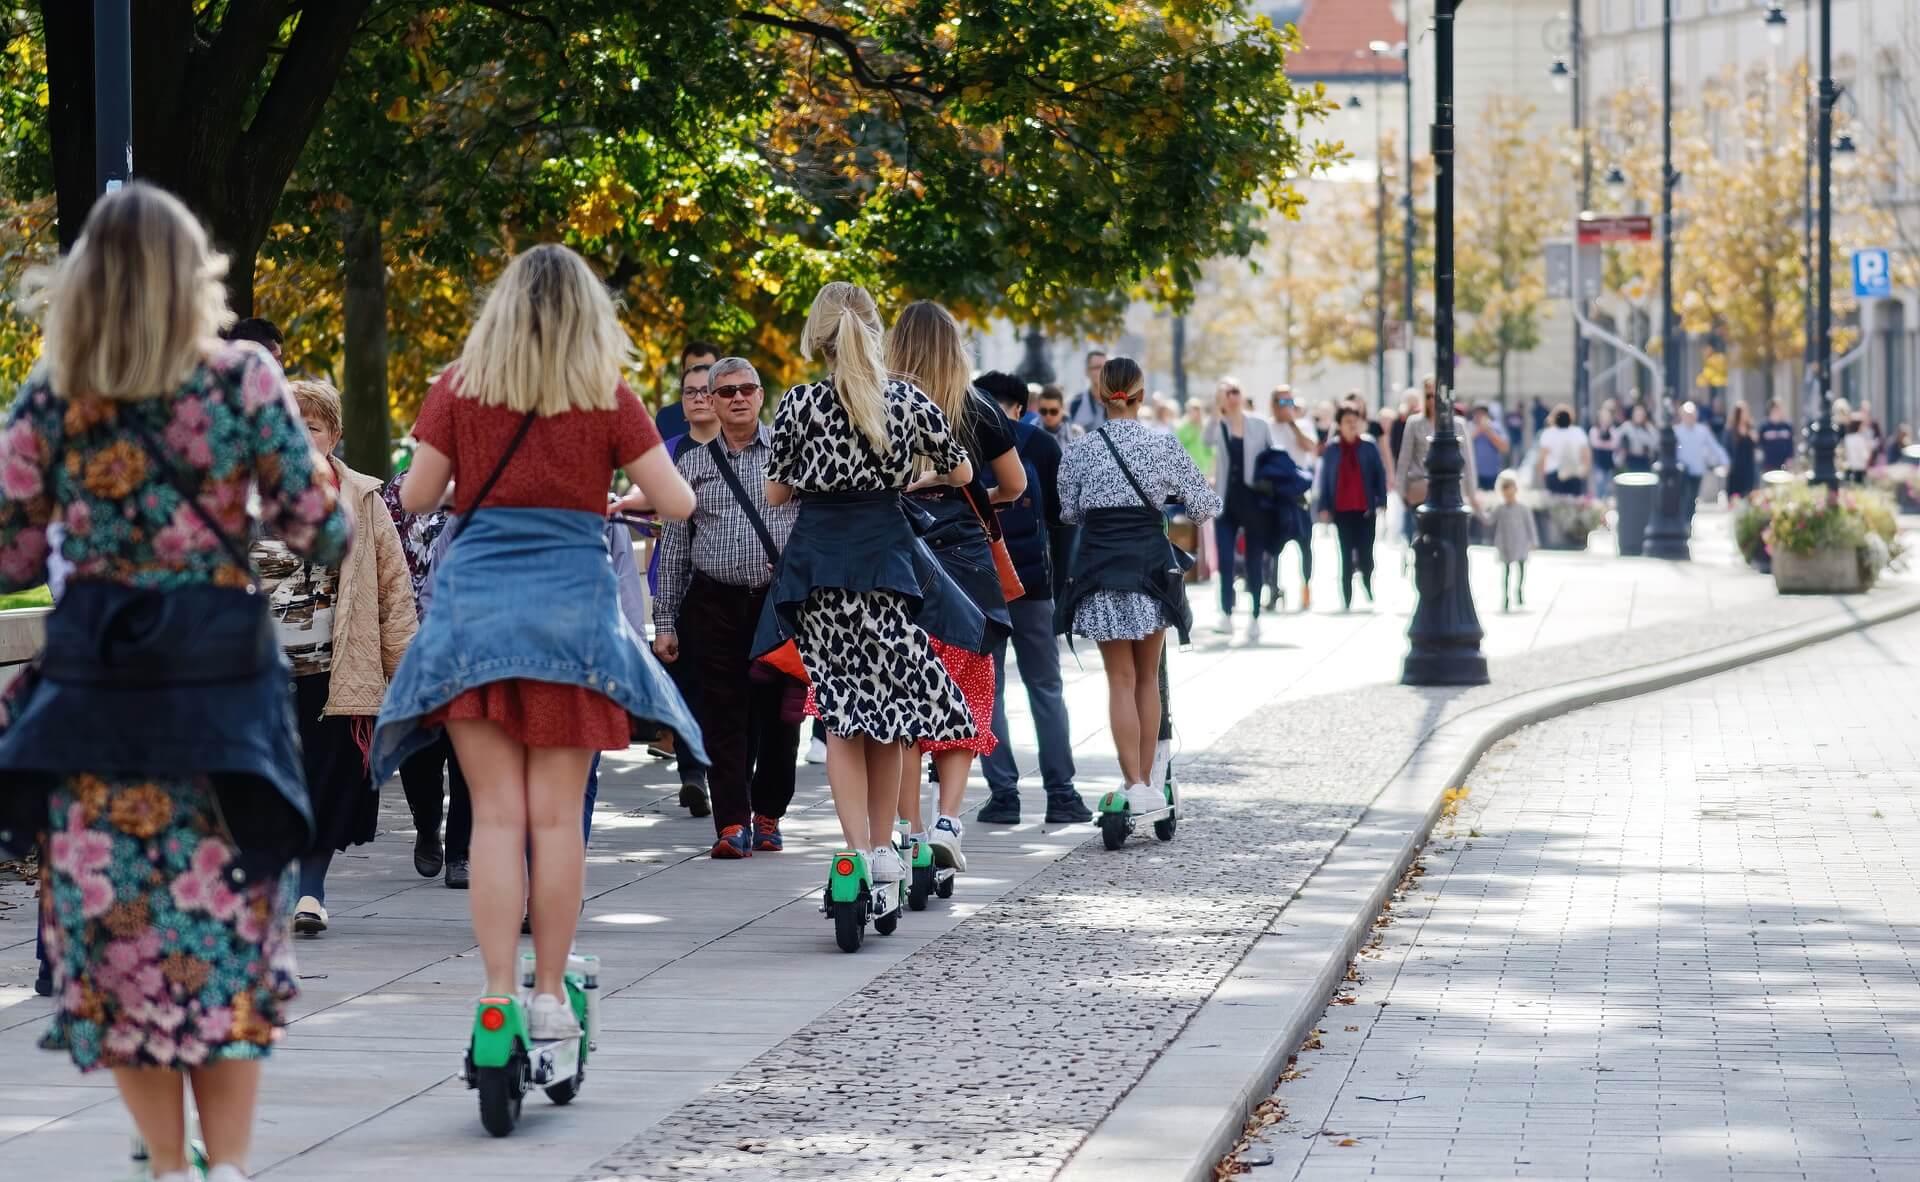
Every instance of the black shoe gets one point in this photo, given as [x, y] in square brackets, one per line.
[1002, 808]
[428, 854]
[693, 798]
[1067, 809]
[43, 984]
[456, 874]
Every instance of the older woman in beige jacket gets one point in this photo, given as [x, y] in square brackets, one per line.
[1410, 466]
[344, 630]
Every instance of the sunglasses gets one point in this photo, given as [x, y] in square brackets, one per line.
[1050, 412]
[744, 390]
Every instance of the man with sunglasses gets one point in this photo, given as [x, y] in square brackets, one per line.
[1051, 406]
[715, 569]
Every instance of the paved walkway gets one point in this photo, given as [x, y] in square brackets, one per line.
[1671, 937]
[983, 1039]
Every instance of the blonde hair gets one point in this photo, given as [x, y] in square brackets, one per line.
[319, 405]
[137, 303]
[925, 348]
[1120, 380]
[547, 340]
[1507, 479]
[843, 327]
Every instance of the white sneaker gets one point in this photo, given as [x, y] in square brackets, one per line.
[945, 839]
[1253, 630]
[551, 1019]
[1223, 626]
[884, 864]
[309, 917]
[224, 1172]
[817, 751]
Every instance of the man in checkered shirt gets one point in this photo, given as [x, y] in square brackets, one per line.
[715, 569]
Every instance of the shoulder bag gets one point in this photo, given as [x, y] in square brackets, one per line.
[786, 658]
[1181, 558]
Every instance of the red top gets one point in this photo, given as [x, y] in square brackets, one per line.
[566, 462]
[1349, 484]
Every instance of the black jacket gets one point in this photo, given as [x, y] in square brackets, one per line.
[1126, 550]
[1036, 540]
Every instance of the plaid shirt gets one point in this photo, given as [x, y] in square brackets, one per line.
[718, 541]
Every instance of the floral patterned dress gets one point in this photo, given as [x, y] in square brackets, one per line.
[156, 962]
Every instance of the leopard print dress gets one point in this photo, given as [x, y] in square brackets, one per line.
[873, 669]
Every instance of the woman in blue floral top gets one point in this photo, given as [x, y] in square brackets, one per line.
[160, 966]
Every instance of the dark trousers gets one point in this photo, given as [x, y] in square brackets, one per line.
[1355, 530]
[1227, 528]
[685, 675]
[420, 778]
[752, 750]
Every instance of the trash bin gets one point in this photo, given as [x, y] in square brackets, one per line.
[1633, 494]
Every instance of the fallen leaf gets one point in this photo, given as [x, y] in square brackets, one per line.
[1344, 1141]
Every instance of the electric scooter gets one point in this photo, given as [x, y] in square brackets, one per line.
[1118, 814]
[504, 1062]
[926, 878]
[852, 899]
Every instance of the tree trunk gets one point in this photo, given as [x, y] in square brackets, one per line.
[69, 33]
[1503, 377]
[364, 370]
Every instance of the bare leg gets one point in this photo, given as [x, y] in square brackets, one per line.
[910, 795]
[225, 1093]
[496, 769]
[883, 788]
[1123, 710]
[1146, 697]
[155, 1098]
[953, 767]
[847, 775]
[556, 785]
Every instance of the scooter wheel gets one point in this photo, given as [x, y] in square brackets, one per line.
[884, 924]
[1113, 829]
[499, 1097]
[564, 1091]
[1163, 829]
[919, 888]
[944, 888]
[850, 924]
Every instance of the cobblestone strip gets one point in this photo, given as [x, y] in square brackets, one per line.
[1670, 937]
[992, 1052]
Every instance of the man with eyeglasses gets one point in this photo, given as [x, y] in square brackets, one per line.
[715, 569]
[1088, 412]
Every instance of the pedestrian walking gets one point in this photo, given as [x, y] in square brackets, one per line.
[153, 743]
[1490, 447]
[344, 627]
[1562, 455]
[1087, 411]
[1639, 443]
[694, 355]
[715, 568]
[1295, 436]
[260, 331]
[960, 526]
[1743, 453]
[1193, 434]
[435, 789]
[1515, 537]
[860, 595]
[1352, 489]
[1698, 452]
[1776, 439]
[1243, 439]
[1051, 406]
[1126, 588]
[1897, 446]
[525, 658]
[1410, 470]
[1859, 446]
[1604, 441]
[1039, 545]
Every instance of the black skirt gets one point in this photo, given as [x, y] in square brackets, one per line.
[346, 809]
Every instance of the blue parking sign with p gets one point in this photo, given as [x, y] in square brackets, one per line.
[1872, 275]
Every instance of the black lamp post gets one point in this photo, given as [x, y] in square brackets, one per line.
[1668, 529]
[1445, 631]
[1825, 438]
[1035, 369]
[1570, 76]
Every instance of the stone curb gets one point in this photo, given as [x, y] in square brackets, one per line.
[1191, 1106]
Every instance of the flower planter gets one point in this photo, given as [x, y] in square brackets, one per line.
[1828, 570]
[1552, 537]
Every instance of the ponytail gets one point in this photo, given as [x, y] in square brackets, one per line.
[844, 328]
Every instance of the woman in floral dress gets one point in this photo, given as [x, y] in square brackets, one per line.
[161, 964]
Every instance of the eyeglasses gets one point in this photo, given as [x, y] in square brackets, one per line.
[686, 394]
[744, 390]
[1283, 402]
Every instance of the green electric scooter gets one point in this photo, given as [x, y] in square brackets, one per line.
[1118, 813]
[924, 878]
[504, 1061]
[852, 899]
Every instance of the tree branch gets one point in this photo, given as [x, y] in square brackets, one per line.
[532, 18]
[850, 49]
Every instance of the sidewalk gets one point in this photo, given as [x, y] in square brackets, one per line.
[1670, 937]
[987, 1037]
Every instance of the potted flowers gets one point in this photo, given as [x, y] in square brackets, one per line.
[1830, 543]
[1751, 517]
[1563, 522]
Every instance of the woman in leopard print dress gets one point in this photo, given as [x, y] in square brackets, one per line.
[849, 588]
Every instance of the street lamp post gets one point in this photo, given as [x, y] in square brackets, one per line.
[1406, 199]
[1445, 632]
[1825, 439]
[1668, 530]
[1570, 75]
[1379, 252]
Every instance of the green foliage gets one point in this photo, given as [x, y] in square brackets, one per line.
[1512, 199]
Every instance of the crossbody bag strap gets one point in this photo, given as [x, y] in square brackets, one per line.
[739, 491]
[1126, 471]
[486, 486]
[191, 497]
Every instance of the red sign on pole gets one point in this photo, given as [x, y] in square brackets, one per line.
[1634, 227]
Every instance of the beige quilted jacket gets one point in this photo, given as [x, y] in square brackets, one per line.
[373, 620]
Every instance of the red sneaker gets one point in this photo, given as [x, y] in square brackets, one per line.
[766, 835]
[733, 843]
